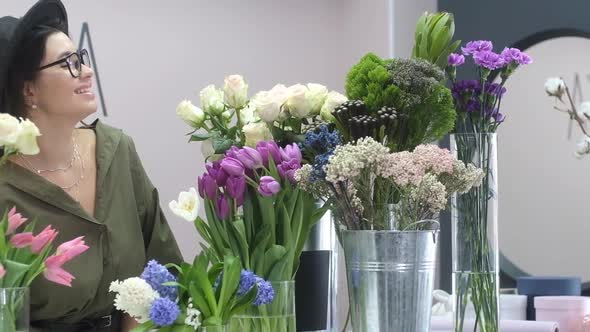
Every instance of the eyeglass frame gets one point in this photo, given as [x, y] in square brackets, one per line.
[67, 60]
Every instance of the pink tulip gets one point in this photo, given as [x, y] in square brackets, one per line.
[2, 271]
[43, 239]
[15, 220]
[72, 248]
[53, 271]
[21, 240]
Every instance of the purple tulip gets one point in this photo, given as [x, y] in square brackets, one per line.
[232, 166]
[250, 157]
[232, 152]
[268, 186]
[269, 148]
[290, 152]
[217, 173]
[236, 188]
[207, 187]
[222, 207]
[287, 169]
[456, 60]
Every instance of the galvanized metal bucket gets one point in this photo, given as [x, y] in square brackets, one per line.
[390, 279]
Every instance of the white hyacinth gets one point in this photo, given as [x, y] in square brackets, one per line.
[135, 297]
[192, 315]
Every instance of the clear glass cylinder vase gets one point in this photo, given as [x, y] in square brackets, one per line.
[14, 309]
[474, 217]
[277, 316]
[224, 328]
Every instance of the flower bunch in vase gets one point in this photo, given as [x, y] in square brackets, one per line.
[375, 189]
[229, 117]
[474, 213]
[202, 297]
[557, 88]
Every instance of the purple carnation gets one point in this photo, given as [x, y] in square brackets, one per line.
[456, 59]
[495, 89]
[489, 60]
[472, 105]
[524, 59]
[164, 312]
[155, 275]
[514, 55]
[477, 46]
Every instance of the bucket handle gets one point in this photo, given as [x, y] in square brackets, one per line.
[427, 221]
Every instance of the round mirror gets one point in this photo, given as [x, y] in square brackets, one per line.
[544, 190]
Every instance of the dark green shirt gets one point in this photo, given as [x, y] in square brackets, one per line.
[127, 229]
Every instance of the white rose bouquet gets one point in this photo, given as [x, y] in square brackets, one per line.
[17, 136]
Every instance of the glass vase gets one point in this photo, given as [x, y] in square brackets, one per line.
[475, 236]
[14, 309]
[277, 316]
[224, 328]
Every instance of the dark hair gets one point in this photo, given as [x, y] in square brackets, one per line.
[24, 67]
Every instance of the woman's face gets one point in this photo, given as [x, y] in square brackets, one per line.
[55, 91]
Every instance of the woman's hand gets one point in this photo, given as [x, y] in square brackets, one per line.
[128, 323]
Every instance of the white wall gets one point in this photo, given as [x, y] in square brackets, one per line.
[151, 54]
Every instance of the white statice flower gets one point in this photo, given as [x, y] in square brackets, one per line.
[347, 161]
[584, 111]
[135, 297]
[192, 315]
[583, 147]
[431, 193]
[555, 87]
[187, 206]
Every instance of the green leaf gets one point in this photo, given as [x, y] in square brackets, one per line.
[258, 255]
[272, 257]
[198, 137]
[239, 231]
[213, 321]
[230, 281]
[199, 300]
[243, 302]
[145, 327]
[15, 272]
[221, 144]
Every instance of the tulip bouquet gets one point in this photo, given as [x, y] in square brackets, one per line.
[202, 296]
[557, 88]
[23, 257]
[228, 118]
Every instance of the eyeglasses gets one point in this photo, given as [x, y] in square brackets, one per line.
[73, 61]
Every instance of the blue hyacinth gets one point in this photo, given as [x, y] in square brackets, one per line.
[265, 292]
[247, 281]
[155, 275]
[164, 312]
[318, 146]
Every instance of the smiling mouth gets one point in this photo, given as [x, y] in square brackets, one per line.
[82, 91]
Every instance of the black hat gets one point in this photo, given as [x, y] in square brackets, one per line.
[12, 31]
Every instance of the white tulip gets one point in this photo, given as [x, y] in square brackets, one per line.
[212, 100]
[190, 113]
[316, 95]
[236, 91]
[297, 103]
[26, 141]
[266, 106]
[9, 127]
[256, 132]
[333, 100]
[187, 206]
[555, 87]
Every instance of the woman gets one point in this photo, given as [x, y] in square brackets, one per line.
[85, 181]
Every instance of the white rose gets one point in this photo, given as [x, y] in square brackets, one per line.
[212, 100]
[297, 102]
[279, 93]
[584, 111]
[187, 206]
[256, 132]
[266, 106]
[9, 127]
[26, 141]
[583, 147]
[555, 86]
[333, 100]
[190, 113]
[236, 91]
[316, 95]
[249, 114]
